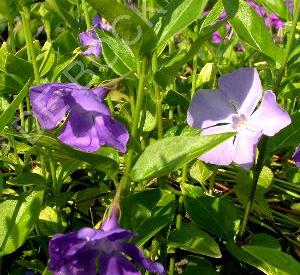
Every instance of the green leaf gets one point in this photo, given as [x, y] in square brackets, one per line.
[179, 14]
[276, 262]
[171, 153]
[18, 217]
[28, 179]
[168, 72]
[243, 189]
[6, 116]
[18, 67]
[127, 24]
[9, 9]
[288, 137]
[277, 6]
[251, 28]
[200, 171]
[265, 240]
[190, 238]
[208, 213]
[147, 212]
[46, 59]
[117, 54]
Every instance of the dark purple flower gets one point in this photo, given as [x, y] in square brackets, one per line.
[232, 109]
[296, 156]
[101, 24]
[93, 43]
[89, 124]
[107, 249]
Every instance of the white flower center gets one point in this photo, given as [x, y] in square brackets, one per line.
[239, 122]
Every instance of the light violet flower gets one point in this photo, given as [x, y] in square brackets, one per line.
[80, 253]
[231, 108]
[296, 156]
[89, 124]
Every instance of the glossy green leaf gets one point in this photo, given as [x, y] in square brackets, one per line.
[276, 262]
[169, 71]
[147, 212]
[18, 217]
[279, 7]
[190, 238]
[200, 171]
[18, 67]
[128, 25]
[6, 116]
[117, 54]
[28, 179]
[208, 213]
[251, 28]
[169, 154]
[179, 14]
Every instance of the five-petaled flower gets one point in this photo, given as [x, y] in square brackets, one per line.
[107, 250]
[89, 124]
[90, 37]
[296, 156]
[231, 108]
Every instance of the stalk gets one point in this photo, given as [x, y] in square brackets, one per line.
[256, 172]
[135, 124]
[289, 47]
[158, 101]
[86, 14]
[12, 44]
[25, 14]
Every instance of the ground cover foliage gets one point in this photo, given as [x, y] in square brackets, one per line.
[149, 137]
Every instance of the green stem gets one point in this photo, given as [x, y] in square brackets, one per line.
[11, 34]
[256, 172]
[135, 124]
[86, 14]
[289, 47]
[158, 101]
[25, 14]
[195, 65]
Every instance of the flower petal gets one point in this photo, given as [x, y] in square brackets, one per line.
[113, 221]
[48, 103]
[138, 256]
[244, 148]
[269, 117]
[92, 41]
[112, 133]
[220, 155]
[243, 88]
[116, 264]
[79, 131]
[208, 108]
[296, 156]
[100, 92]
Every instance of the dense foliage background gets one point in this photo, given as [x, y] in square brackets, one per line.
[188, 215]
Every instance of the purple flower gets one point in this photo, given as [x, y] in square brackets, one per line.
[88, 125]
[91, 39]
[101, 24]
[93, 43]
[296, 156]
[82, 252]
[231, 108]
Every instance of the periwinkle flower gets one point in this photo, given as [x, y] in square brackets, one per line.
[89, 124]
[231, 108]
[107, 249]
[296, 156]
[90, 38]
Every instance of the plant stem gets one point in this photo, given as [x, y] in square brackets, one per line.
[135, 124]
[289, 47]
[25, 14]
[11, 37]
[158, 101]
[256, 172]
[86, 14]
